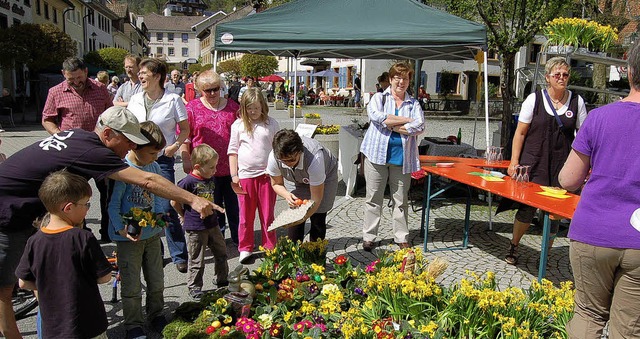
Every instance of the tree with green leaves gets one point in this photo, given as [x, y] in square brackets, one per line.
[23, 44]
[258, 65]
[511, 24]
[230, 67]
[113, 58]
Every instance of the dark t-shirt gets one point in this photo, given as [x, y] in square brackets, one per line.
[203, 188]
[65, 267]
[21, 175]
[234, 91]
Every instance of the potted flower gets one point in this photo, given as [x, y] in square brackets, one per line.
[313, 119]
[279, 104]
[138, 217]
[564, 35]
[298, 111]
[328, 136]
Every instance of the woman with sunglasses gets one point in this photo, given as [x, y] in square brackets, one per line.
[210, 120]
[547, 124]
[167, 110]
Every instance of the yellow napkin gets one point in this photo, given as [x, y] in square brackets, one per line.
[491, 178]
[559, 196]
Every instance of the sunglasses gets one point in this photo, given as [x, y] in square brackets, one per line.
[212, 90]
[558, 76]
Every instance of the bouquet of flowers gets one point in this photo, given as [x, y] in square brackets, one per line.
[141, 217]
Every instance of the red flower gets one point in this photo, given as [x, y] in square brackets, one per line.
[340, 260]
[275, 330]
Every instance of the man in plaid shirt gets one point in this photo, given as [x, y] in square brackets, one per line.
[77, 102]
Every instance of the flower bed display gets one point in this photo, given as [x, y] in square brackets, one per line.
[396, 296]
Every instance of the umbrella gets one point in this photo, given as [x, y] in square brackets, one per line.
[301, 73]
[326, 73]
[272, 78]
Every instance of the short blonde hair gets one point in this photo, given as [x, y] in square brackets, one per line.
[103, 77]
[207, 77]
[62, 187]
[554, 63]
[202, 154]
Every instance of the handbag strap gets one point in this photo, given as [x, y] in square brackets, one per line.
[553, 109]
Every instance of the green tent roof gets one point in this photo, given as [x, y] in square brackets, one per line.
[360, 29]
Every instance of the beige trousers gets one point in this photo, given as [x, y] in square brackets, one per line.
[607, 289]
[377, 177]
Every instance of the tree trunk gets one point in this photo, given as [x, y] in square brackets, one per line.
[600, 81]
[506, 87]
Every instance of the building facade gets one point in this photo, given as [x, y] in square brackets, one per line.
[127, 32]
[185, 7]
[172, 39]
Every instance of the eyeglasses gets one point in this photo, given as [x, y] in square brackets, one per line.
[212, 90]
[558, 76]
[87, 205]
[289, 160]
[397, 78]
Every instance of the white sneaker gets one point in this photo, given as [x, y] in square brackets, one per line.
[244, 256]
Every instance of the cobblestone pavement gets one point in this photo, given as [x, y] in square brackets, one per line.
[486, 247]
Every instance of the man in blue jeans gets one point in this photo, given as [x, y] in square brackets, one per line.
[173, 232]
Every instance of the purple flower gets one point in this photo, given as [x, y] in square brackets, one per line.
[359, 291]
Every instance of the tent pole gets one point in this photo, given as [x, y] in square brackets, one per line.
[416, 77]
[486, 99]
[215, 60]
[295, 90]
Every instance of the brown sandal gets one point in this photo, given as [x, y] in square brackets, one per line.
[512, 258]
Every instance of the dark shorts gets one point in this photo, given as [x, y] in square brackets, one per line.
[526, 213]
[12, 245]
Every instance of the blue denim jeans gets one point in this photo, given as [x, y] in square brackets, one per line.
[173, 232]
[225, 197]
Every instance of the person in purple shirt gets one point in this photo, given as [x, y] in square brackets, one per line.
[605, 229]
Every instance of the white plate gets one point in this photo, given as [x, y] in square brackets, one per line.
[497, 174]
[444, 164]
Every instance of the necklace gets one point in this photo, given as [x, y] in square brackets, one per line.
[557, 102]
[209, 106]
[149, 103]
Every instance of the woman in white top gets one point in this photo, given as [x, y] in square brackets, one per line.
[547, 124]
[167, 110]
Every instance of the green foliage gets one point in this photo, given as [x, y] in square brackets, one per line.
[199, 68]
[258, 65]
[113, 58]
[23, 44]
[94, 58]
[230, 67]
[511, 24]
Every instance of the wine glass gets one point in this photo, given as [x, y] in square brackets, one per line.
[499, 155]
[525, 175]
[514, 175]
